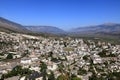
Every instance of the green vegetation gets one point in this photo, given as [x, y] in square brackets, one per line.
[104, 54]
[17, 71]
[62, 77]
[94, 77]
[5, 43]
[75, 78]
[110, 76]
[51, 76]
[85, 57]
[1, 54]
[114, 76]
[82, 71]
[54, 59]
[9, 56]
[43, 70]
[60, 67]
[68, 49]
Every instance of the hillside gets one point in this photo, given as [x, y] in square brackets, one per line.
[104, 30]
[108, 30]
[45, 29]
[10, 26]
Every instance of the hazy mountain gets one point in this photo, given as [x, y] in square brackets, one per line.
[46, 29]
[104, 30]
[107, 29]
[9, 26]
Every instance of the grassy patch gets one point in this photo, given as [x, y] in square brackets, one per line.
[68, 49]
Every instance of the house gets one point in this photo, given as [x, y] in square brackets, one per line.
[5, 67]
[35, 67]
[22, 78]
[96, 59]
[52, 66]
[25, 60]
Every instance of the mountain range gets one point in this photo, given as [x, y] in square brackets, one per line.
[10, 26]
[45, 29]
[103, 30]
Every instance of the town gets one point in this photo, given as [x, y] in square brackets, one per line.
[27, 57]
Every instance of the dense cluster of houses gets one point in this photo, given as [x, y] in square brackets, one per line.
[74, 54]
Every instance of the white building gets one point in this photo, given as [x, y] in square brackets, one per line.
[25, 60]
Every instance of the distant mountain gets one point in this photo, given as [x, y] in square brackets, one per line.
[46, 29]
[9, 26]
[104, 30]
[107, 29]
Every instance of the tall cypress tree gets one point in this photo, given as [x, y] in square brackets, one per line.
[43, 70]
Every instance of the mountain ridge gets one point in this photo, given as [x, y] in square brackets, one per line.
[106, 29]
[45, 29]
[112, 30]
[10, 26]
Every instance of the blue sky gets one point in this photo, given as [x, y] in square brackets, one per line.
[64, 14]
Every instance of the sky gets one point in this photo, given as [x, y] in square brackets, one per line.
[64, 14]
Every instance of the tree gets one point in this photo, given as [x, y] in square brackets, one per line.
[50, 54]
[16, 71]
[62, 77]
[60, 67]
[51, 76]
[43, 70]
[85, 57]
[93, 77]
[82, 71]
[113, 76]
[9, 56]
[75, 78]
[26, 71]
[17, 68]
